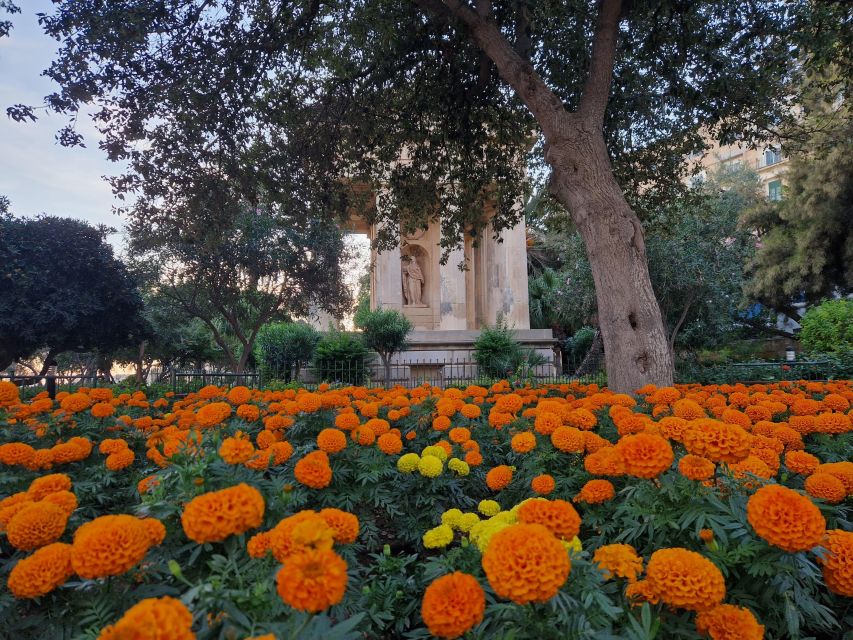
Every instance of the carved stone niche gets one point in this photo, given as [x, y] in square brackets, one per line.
[413, 263]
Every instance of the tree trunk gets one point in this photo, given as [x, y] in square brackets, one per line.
[386, 365]
[140, 362]
[636, 348]
[635, 343]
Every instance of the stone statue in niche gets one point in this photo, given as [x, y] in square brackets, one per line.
[413, 282]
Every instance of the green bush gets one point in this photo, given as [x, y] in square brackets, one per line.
[384, 331]
[341, 357]
[828, 328]
[499, 355]
[282, 348]
[578, 345]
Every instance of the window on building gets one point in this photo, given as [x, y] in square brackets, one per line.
[774, 190]
[772, 156]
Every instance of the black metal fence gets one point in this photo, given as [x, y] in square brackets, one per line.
[410, 370]
[54, 383]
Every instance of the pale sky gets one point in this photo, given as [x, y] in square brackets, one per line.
[36, 173]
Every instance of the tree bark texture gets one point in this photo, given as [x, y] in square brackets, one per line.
[636, 347]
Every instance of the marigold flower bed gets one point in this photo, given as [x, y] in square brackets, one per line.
[560, 511]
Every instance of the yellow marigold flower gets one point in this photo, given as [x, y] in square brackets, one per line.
[436, 451]
[620, 560]
[438, 537]
[467, 522]
[212, 517]
[408, 462]
[451, 517]
[481, 534]
[572, 546]
[488, 508]
[42, 572]
[430, 466]
[459, 467]
[153, 619]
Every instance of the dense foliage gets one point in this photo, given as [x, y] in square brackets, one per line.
[342, 357]
[283, 348]
[384, 331]
[61, 288]
[563, 511]
[828, 327]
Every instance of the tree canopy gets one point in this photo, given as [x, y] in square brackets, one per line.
[62, 288]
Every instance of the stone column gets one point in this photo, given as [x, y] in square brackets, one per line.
[453, 298]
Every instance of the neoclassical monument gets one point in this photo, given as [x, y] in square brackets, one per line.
[447, 305]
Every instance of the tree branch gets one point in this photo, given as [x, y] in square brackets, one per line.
[690, 300]
[597, 87]
[543, 103]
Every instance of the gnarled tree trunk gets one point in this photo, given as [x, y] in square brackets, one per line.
[635, 342]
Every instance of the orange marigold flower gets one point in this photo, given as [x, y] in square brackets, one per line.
[836, 402]
[42, 572]
[523, 442]
[751, 465]
[685, 579]
[547, 422]
[826, 487]
[309, 402]
[582, 419]
[696, 468]
[595, 492]
[239, 395]
[119, 460]
[147, 484]
[835, 423]
[526, 563]
[344, 525]
[75, 402]
[473, 458]
[459, 435]
[212, 517]
[156, 531]
[312, 580]
[389, 444]
[153, 619]
[687, 410]
[16, 453]
[470, 411]
[620, 560]
[8, 393]
[209, 392]
[281, 451]
[453, 604]
[645, 455]
[313, 470]
[785, 518]
[102, 410]
[282, 542]
[331, 440]
[212, 414]
[606, 461]
[248, 412]
[543, 484]
[259, 545]
[837, 563]
[109, 546]
[45, 485]
[717, 441]
[35, 525]
[364, 435]
[729, 622]
[497, 478]
[558, 516]
[641, 591]
[65, 500]
[841, 470]
[568, 439]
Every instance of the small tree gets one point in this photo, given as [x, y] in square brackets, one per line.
[341, 357]
[828, 328]
[283, 347]
[385, 332]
